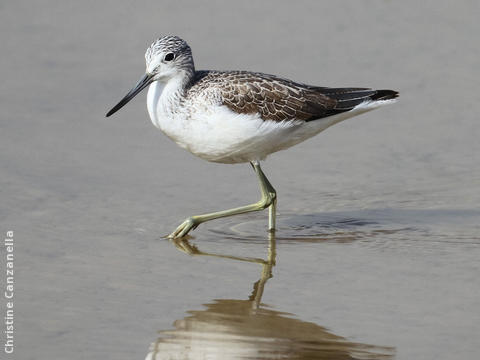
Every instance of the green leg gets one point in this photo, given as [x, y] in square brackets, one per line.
[268, 199]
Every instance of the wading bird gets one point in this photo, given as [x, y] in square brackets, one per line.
[239, 116]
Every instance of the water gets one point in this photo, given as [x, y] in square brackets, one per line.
[376, 255]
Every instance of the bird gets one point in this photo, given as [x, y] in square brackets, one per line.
[236, 117]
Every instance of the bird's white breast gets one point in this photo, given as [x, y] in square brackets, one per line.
[212, 131]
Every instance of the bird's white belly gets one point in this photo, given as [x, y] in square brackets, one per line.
[216, 133]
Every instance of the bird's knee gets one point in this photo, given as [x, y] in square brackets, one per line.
[273, 195]
[268, 200]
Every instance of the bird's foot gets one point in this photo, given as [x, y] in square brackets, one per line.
[189, 224]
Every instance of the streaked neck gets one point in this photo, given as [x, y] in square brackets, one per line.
[172, 92]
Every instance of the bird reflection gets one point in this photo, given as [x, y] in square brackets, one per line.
[247, 329]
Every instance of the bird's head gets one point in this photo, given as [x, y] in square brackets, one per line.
[168, 57]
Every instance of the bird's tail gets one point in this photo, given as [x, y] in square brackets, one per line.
[348, 98]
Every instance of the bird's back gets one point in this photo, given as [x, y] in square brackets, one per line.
[278, 99]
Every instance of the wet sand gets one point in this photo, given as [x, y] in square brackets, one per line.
[376, 255]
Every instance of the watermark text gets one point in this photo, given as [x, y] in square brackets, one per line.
[8, 293]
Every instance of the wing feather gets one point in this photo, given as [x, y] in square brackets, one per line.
[278, 99]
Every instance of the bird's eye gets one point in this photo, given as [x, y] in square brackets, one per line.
[169, 57]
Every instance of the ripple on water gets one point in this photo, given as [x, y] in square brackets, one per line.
[377, 227]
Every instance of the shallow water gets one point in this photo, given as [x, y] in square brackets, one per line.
[378, 241]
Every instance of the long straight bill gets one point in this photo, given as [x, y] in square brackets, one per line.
[141, 84]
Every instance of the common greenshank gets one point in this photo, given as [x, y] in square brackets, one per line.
[239, 116]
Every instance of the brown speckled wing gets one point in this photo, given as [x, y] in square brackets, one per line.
[279, 99]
